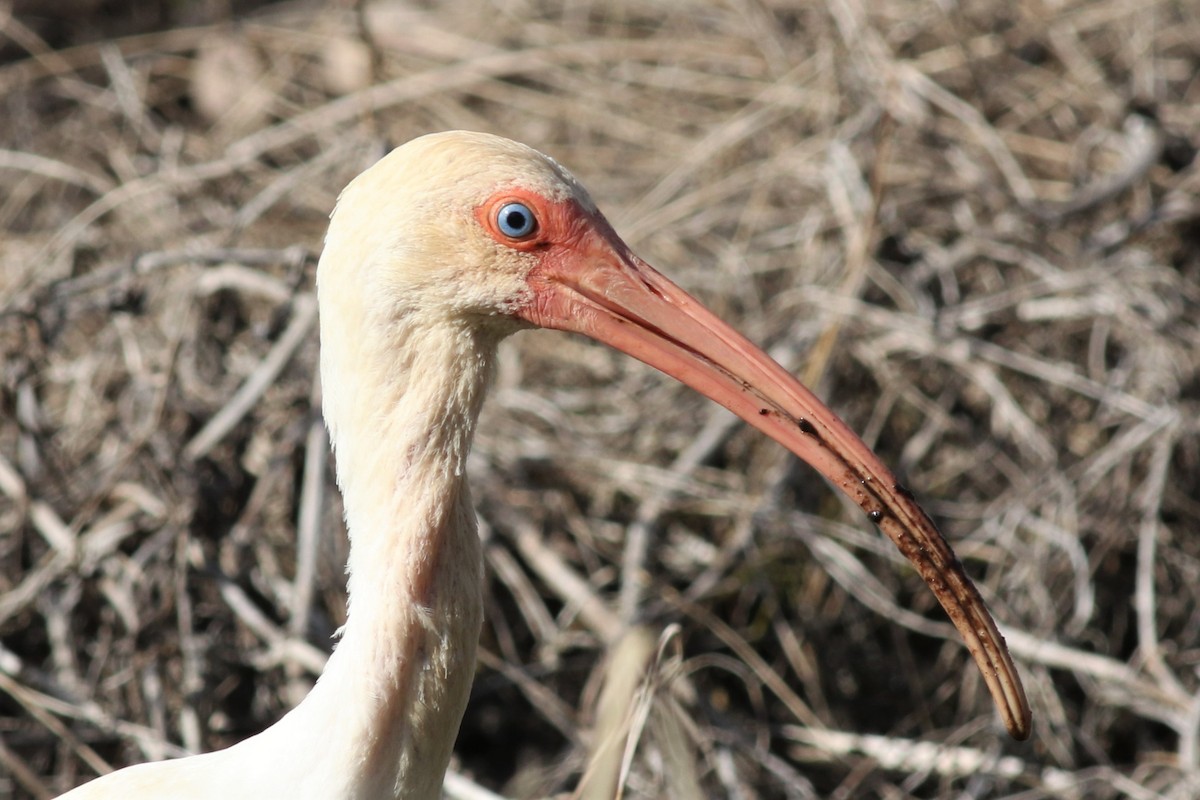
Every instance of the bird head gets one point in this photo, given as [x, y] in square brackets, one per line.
[475, 233]
[452, 225]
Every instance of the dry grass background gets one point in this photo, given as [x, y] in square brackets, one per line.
[974, 226]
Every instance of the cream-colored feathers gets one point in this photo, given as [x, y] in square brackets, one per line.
[413, 297]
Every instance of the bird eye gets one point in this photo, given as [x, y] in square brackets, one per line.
[515, 220]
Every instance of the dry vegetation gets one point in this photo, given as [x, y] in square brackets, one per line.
[975, 227]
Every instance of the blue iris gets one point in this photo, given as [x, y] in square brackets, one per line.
[515, 220]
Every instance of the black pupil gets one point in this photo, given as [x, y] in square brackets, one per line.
[515, 219]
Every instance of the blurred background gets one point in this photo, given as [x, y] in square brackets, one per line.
[972, 227]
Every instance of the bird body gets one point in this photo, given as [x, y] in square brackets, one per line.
[435, 254]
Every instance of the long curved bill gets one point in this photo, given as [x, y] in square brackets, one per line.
[604, 291]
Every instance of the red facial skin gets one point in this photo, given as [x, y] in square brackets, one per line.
[586, 280]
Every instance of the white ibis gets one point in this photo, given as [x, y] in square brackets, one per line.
[436, 253]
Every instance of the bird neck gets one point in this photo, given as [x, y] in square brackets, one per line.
[401, 408]
[402, 419]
